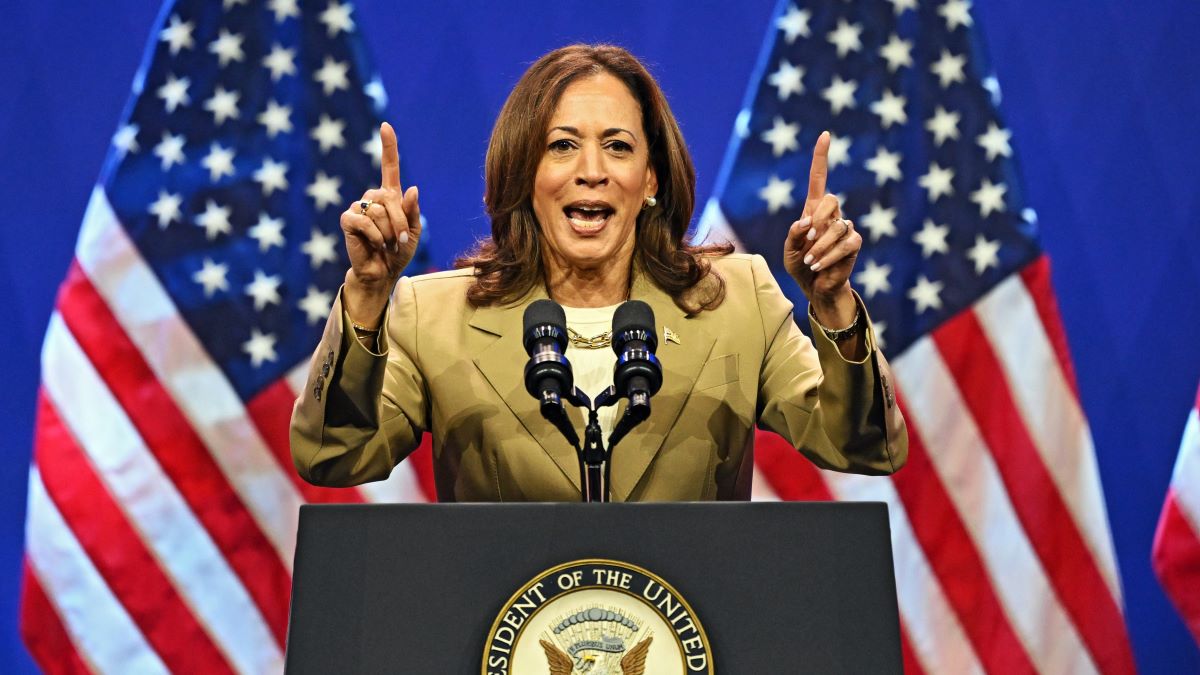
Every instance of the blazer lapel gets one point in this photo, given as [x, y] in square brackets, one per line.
[681, 361]
[502, 362]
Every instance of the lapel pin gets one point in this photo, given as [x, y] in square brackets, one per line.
[671, 336]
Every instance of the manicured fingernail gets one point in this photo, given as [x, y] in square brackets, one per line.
[816, 267]
[805, 221]
[812, 234]
[808, 259]
[403, 237]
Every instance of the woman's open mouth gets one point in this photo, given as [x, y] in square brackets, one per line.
[588, 217]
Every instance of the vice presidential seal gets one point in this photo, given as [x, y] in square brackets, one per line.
[596, 617]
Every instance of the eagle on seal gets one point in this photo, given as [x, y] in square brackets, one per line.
[633, 663]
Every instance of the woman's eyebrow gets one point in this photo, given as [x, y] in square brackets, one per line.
[612, 131]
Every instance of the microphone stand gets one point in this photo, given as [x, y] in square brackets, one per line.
[595, 460]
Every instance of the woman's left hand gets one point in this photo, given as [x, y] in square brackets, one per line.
[821, 246]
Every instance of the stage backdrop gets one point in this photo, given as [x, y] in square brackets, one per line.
[1100, 97]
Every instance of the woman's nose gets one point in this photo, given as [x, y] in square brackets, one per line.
[591, 170]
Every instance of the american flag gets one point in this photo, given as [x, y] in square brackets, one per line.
[1176, 553]
[1003, 557]
[162, 499]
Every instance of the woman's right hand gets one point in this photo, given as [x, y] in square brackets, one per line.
[380, 240]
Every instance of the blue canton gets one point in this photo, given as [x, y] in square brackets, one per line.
[920, 157]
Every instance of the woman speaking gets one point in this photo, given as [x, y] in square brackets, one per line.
[590, 190]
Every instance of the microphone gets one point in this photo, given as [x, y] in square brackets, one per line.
[548, 373]
[638, 374]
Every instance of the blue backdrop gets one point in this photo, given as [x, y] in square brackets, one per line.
[1101, 97]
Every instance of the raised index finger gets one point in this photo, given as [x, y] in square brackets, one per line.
[820, 168]
[390, 161]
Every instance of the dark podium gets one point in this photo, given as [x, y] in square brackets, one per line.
[777, 587]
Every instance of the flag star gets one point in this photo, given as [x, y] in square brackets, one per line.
[276, 118]
[284, 9]
[218, 161]
[332, 75]
[949, 68]
[787, 80]
[177, 35]
[375, 91]
[995, 141]
[320, 248]
[846, 37]
[316, 304]
[280, 62]
[840, 94]
[336, 18]
[260, 347]
[325, 190]
[943, 125]
[880, 221]
[374, 149]
[264, 289]
[984, 254]
[897, 53]
[328, 133]
[212, 277]
[878, 328]
[937, 182]
[874, 279]
[900, 5]
[777, 193]
[267, 232]
[992, 85]
[229, 4]
[223, 105]
[174, 92]
[167, 208]
[227, 47]
[932, 238]
[794, 24]
[782, 136]
[890, 109]
[956, 13]
[885, 165]
[272, 176]
[839, 150]
[170, 150]
[214, 220]
[989, 197]
[926, 294]
[125, 140]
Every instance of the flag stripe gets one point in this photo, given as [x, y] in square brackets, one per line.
[43, 631]
[938, 639]
[176, 448]
[1047, 521]
[104, 635]
[959, 463]
[1176, 557]
[206, 398]
[956, 562]
[1185, 478]
[1036, 276]
[118, 553]
[1051, 413]
[150, 500]
[271, 412]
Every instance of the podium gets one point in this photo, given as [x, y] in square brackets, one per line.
[716, 587]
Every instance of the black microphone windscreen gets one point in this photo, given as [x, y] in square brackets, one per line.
[633, 314]
[544, 312]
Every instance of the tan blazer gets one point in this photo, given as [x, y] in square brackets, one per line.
[456, 372]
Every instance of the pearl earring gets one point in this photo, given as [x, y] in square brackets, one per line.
[651, 202]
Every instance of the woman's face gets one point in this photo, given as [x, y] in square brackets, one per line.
[594, 174]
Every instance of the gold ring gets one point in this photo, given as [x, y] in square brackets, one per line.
[364, 205]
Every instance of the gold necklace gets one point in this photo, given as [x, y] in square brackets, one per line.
[596, 342]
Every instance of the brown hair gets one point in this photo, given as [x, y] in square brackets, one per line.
[509, 263]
